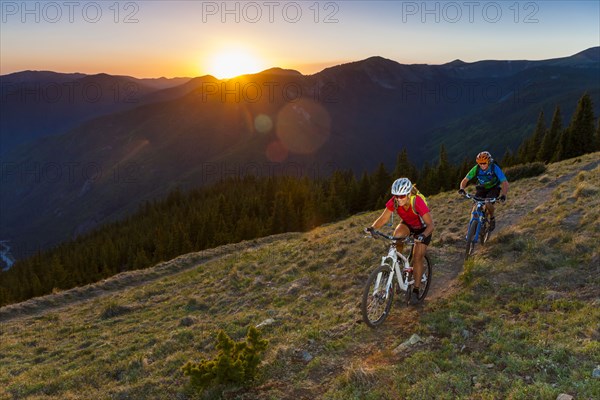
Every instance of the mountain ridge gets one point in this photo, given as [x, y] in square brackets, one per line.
[341, 118]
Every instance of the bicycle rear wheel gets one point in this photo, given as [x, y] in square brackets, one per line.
[425, 281]
[471, 239]
[377, 298]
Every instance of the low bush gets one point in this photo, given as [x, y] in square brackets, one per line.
[236, 362]
[522, 171]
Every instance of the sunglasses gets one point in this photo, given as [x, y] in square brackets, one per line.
[483, 163]
[400, 196]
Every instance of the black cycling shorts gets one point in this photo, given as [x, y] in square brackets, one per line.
[487, 193]
[417, 232]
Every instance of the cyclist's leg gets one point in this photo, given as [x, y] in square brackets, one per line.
[401, 231]
[418, 259]
[480, 192]
[493, 192]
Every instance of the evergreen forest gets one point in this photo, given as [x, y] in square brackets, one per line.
[249, 207]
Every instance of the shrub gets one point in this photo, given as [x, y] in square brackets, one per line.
[113, 309]
[522, 171]
[236, 362]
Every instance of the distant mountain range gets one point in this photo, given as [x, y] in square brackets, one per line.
[71, 164]
[41, 103]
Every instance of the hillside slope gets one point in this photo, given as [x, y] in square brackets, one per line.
[519, 321]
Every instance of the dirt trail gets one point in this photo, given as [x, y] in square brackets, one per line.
[127, 280]
[508, 215]
[449, 264]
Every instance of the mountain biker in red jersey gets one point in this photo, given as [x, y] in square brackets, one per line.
[491, 182]
[416, 220]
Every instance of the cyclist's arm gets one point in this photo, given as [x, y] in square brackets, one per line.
[502, 178]
[504, 188]
[383, 218]
[430, 227]
[470, 175]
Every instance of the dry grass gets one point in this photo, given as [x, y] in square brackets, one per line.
[531, 297]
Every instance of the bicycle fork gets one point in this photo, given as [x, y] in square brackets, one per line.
[480, 218]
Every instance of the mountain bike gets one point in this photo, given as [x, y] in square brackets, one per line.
[379, 290]
[478, 229]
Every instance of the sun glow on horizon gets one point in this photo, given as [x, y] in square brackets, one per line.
[231, 62]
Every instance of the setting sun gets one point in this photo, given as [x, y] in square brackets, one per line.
[233, 62]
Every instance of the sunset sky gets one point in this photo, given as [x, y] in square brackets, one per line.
[192, 38]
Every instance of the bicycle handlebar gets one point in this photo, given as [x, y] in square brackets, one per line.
[405, 239]
[481, 199]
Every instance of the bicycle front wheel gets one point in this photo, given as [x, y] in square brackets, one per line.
[377, 296]
[484, 233]
[471, 240]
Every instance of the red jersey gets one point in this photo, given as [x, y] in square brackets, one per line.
[408, 216]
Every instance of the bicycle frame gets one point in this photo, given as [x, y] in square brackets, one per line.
[478, 214]
[478, 221]
[393, 260]
[379, 290]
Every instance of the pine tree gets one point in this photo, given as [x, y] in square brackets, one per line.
[507, 159]
[527, 151]
[428, 179]
[536, 139]
[581, 129]
[462, 171]
[563, 148]
[281, 217]
[550, 142]
[141, 260]
[36, 288]
[4, 296]
[59, 274]
[444, 172]
[578, 138]
[363, 197]
[598, 136]
[381, 184]
[236, 362]
[404, 167]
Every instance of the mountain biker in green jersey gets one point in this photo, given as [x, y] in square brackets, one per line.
[491, 182]
[416, 220]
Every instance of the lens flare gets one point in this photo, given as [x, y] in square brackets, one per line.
[263, 123]
[303, 126]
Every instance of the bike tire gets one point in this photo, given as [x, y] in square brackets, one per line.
[425, 279]
[377, 300]
[484, 233]
[471, 239]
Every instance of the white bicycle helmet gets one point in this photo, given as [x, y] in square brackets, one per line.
[401, 186]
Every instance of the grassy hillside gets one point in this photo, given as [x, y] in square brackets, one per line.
[519, 321]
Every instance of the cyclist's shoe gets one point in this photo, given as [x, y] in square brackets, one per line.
[492, 224]
[414, 297]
